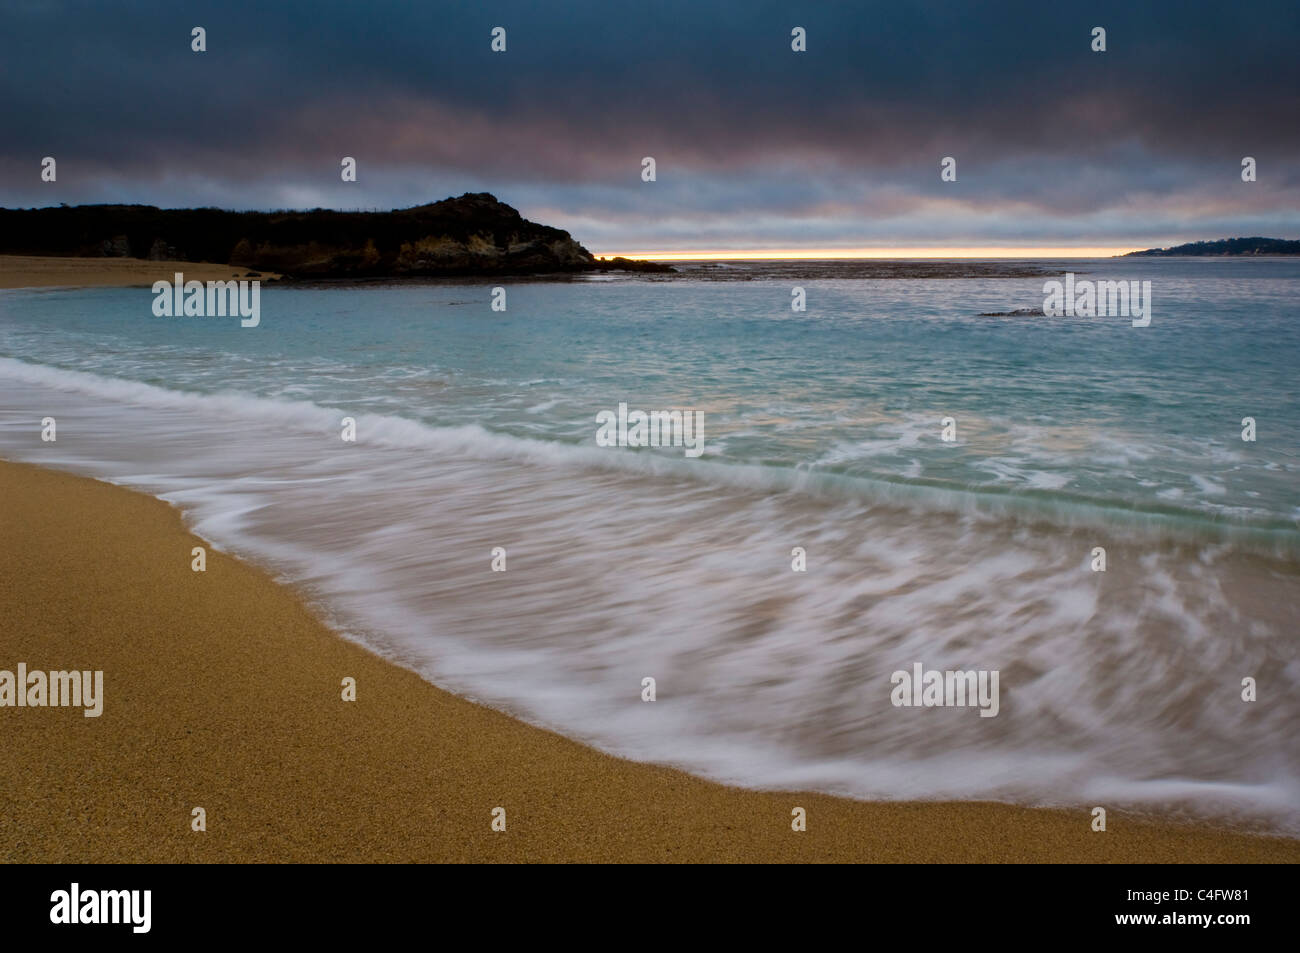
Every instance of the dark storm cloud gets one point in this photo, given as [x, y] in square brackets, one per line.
[838, 142]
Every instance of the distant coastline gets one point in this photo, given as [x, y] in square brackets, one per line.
[1224, 247]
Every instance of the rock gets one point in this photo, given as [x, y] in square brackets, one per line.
[119, 246]
[161, 251]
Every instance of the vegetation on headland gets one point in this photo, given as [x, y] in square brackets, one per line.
[1226, 246]
[473, 235]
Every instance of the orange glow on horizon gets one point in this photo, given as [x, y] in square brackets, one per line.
[778, 254]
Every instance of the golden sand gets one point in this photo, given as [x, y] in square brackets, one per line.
[23, 271]
[222, 690]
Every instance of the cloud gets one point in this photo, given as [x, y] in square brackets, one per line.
[753, 141]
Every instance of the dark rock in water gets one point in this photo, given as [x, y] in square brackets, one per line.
[473, 235]
[1018, 313]
[619, 263]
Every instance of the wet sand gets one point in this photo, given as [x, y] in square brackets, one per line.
[23, 271]
[222, 691]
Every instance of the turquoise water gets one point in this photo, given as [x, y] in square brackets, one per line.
[1075, 410]
[476, 429]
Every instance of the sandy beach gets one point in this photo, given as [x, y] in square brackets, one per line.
[222, 691]
[27, 271]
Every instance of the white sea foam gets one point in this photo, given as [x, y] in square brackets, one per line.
[472, 441]
[1116, 688]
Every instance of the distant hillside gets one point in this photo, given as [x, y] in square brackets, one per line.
[471, 235]
[1228, 246]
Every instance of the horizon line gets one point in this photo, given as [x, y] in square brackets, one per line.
[823, 254]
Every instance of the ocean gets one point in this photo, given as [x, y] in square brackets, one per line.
[823, 433]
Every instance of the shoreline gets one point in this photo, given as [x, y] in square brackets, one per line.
[53, 272]
[222, 690]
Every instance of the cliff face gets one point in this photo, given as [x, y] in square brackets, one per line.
[471, 235]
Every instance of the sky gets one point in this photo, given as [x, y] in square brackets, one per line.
[757, 148]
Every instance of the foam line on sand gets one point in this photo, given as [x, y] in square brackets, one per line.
[222, 691]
